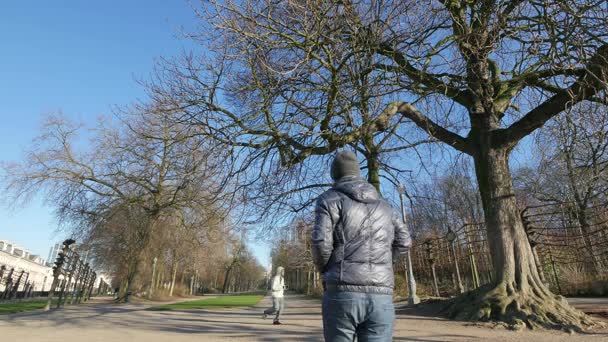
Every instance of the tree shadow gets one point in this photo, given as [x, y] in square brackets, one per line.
[434, 310]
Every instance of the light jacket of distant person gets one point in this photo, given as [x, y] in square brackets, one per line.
[278, 283]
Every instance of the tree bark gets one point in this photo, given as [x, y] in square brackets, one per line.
[160, 281]
[128, 289]
[173, 280]
[539, 265]
[373, 170]
[516, 296]
[512, 257]
[226, 279]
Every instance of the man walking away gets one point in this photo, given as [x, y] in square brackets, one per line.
[355, 239]
[277, 286]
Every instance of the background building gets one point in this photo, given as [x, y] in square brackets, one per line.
[20, 259]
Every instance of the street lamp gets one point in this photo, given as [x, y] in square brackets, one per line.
[411, 282]
[451, 237]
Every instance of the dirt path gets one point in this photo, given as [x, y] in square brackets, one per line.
[99, 322]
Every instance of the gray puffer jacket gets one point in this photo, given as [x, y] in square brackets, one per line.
[355, 238]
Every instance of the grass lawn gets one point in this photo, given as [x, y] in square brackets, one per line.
[217, 302]
[9, 308]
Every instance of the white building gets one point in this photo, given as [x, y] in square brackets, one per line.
[17, 257]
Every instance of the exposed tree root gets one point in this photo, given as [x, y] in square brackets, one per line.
[531, 308]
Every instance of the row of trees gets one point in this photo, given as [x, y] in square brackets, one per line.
[141, 188]
[292, 251]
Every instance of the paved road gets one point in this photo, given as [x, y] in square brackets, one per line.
[597, 305]
[104, 322]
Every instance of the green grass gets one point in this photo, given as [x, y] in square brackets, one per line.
[10, 308]
[210, 303]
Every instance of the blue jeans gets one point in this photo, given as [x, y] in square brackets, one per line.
[369, 317]
[277, 307]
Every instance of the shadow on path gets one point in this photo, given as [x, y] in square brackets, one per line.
[302, 322]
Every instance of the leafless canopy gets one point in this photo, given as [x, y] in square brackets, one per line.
[285, 83]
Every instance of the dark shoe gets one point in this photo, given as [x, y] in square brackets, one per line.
[276, 323]
[264, 316]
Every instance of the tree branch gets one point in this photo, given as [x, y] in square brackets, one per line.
[433, 129]
[429, 80]
[593, 81]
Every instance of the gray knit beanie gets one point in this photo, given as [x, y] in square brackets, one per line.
[345, 164]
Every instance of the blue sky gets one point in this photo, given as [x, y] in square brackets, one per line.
[82, 58]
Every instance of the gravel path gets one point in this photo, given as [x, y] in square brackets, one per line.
[302, 322]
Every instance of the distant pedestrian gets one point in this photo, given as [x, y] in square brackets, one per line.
[277, 287]
[355, 238]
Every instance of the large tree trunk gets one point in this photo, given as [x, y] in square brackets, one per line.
[516, 296]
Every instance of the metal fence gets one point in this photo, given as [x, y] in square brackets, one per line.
[73, 281]
[445, 264]
[570, 247]
[15, 283]
[570, 244]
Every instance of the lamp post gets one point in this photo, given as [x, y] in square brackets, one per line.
[451, 237]
[411, 282]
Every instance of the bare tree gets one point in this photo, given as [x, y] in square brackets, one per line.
[281, 87]
[148, 168]
[116, 240]
[573, 170]
[478, 76]
[532, 42]
[292, 251]
[242, 271]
